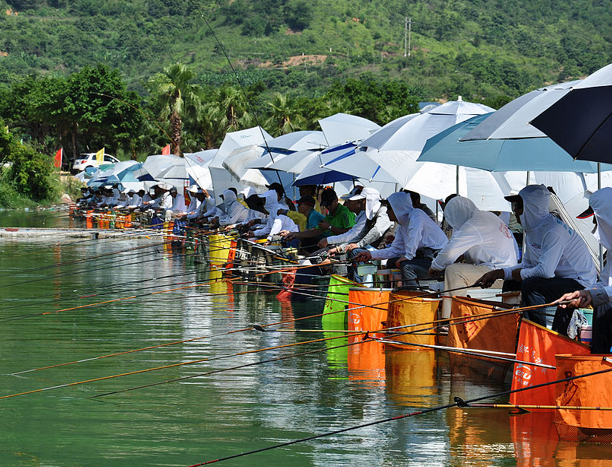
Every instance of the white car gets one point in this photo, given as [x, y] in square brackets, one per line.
[89, 160]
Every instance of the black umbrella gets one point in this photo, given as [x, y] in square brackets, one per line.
[581, 121]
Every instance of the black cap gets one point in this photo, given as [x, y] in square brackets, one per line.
[309, 200]
[514, 198]
[586, 214]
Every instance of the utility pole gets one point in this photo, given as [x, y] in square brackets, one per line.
[407, 34]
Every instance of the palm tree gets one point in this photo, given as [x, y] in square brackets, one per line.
[286, 116]
[177, 98]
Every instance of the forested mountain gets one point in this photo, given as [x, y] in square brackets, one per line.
[480, 49]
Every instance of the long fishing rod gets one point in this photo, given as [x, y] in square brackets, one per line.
[458, 403]
[117, 236]
[111, 289]
[365, 338]
[528, 407]
[475, 352]
[201, 360]
[103, 255]
[258, 327]
[244, 93]
[90, 305]
[81, 271]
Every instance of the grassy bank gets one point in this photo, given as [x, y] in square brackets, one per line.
[10, 198]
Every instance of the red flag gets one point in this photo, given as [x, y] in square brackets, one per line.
[57, 160]
[166, 150]
[538, 344]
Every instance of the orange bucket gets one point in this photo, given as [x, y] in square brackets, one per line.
[370, 317]
[408, 308]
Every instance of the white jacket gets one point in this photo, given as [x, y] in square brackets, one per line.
[416, 230]
[178, 203]
[601, 202]
[481, 236]
[235, 212]
[275, 222]
[552, 249]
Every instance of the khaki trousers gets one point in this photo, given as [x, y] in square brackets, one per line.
[461, 275]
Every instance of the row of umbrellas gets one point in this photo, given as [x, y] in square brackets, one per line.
[457, 147]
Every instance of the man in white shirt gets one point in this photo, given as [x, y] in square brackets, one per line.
[276, 222]
[235, 212]
[600, 294]
[555, 260]
[417, 241]
[481, 239]
[178, 202]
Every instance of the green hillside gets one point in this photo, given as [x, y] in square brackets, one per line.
[480, 49]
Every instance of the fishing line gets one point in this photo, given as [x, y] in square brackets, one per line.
[244, 93]
[86, 259]
[174, 365]
[458, 403]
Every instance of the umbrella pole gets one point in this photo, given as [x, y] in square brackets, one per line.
[457, 179]
[601, 260]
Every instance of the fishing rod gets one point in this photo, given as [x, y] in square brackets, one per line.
[117, 236]
[90, 305]
[475, 352]
[81, 271]
[109, 290]
[365, 338]
[525, 408]
[87, 259]
[458, 402]
[244, 93]
[258, 327]
[261, 362]
[201, 360]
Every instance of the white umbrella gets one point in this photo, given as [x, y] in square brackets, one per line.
[156, 163]
[411, 132]
[238, 161]
[197, 167]
[342, 128]
[283, 145]
[222, 179]
[295, 162]
[512, 120]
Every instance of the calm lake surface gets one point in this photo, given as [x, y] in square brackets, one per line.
[212, 410]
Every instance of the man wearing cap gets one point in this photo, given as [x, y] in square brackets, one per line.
[178, 206]
[338, 221]
[371, 224]
[276, 222]
[417, 241]
[555, 260]
[354, 202]
[310, 190]
[600, 294]
[481, 239]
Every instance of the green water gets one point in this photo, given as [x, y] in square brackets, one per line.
[206, 417]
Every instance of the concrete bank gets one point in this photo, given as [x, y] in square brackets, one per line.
[31, 233]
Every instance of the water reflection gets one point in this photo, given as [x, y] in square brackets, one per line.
[277, 395]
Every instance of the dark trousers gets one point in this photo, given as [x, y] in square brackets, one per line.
[602, 329]
[538, 291]
[412, 269]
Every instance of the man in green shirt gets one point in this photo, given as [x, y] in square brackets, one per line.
[338, 220]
